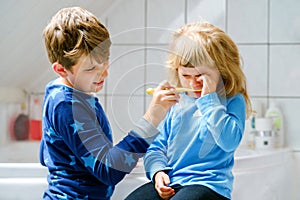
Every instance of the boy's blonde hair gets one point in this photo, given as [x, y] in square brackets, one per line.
[73, 32]
[203, 44]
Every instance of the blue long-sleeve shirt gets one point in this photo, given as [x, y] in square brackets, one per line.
[197, 142]
[77, 146]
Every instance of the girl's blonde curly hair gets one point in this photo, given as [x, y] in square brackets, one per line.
[203, 44]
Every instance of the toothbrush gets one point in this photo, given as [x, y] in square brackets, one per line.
[151, 90]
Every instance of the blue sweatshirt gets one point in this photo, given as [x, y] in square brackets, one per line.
[197, 142]
[77, 146]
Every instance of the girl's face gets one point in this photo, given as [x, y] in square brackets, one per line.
[87, 75]
[189, 77]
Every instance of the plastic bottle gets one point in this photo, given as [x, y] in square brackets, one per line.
[276, 115]
[248, 138]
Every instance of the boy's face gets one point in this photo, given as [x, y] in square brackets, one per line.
[87, 75]
[189, 78]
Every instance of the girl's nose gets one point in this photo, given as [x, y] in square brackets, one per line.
[194, 83]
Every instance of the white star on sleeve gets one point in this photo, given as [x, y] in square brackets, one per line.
[88, 161]
[77, 126]
[52, 135]
[73, 162]
[129, 159]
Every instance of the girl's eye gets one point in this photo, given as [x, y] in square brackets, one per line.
[91, 69]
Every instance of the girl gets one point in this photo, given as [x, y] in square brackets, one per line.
[193, 155]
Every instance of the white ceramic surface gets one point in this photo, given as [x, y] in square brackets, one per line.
[258, 175]
[248, 21]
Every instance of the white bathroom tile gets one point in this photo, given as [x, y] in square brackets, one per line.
[126, 72]
[284, 70]
[296, 173]
[156, 67]
[147, 101]
[259, 105]
[123, 112]
[284, 21]
[255, 67]
[163, 17]
[247, 20]
[289, 109]
[126, 22]
[212, 11]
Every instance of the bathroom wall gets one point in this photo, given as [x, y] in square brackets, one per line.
[267, 33]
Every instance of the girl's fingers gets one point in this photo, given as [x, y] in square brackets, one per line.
[166, 192]
[161, 182]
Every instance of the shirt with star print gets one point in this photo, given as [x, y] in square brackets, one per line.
[77, 146]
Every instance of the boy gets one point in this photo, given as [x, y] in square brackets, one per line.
[77, 144]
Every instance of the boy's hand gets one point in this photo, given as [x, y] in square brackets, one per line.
[161, 182]
[164, 97]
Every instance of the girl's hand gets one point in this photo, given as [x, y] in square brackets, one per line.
[210, 78]
[163, 98]
[162, 181]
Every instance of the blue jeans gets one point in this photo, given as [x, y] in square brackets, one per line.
[190, 192]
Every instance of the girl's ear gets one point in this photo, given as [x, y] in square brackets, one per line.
[59, 69]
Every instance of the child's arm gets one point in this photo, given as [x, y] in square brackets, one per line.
[91, 143]
[225, 122]
[88, 136]
[155, 159]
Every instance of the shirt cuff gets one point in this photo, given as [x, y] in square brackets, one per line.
[146, 130]
[207, 102]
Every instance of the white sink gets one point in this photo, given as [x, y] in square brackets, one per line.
[259, 174]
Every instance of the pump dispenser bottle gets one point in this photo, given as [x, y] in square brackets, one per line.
[276, 115]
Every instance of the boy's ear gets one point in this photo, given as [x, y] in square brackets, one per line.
[59, 69]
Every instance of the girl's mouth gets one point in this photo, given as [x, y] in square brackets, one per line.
[197, 93]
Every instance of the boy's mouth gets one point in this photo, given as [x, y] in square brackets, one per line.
[100, 83]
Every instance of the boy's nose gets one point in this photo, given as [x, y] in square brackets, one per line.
[105, 73]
